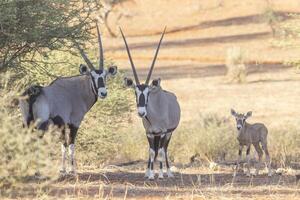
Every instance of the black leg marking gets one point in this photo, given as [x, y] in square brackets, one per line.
[248, 151]
[58, 121]
[156, 145]
[43, 126]
[151, 165]
[149, 161]
[166, 144]
[73, 133]
[240, 152]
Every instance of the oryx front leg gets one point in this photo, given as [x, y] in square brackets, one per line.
[150, 172]
[238, 160]
[63, 159]
[148, 168]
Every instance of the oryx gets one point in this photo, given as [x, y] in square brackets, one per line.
[66, 100]
[160, 113]
[248, 134]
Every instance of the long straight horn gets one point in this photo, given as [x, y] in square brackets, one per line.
[88, 62]
[154, 59]
[131, 62]
[101, 58]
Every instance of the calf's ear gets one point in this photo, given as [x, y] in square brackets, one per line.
[233, 112]
[249, 114]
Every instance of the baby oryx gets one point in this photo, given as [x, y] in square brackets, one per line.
[248, 134]
[65, 102]
[160, 113]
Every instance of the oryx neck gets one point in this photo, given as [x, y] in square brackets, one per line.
[93, 86]
[156, 89]
[244, 128]
[92, 89]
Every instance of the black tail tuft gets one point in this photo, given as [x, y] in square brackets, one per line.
[32, 93]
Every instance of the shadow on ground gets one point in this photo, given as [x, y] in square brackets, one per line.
[211, 70]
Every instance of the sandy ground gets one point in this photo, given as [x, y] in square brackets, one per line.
[122, 183]
[192, 58]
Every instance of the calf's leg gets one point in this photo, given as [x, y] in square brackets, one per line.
[238, 160]
[260, 153]
[267, 159]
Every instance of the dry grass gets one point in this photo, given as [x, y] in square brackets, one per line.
[192, 65]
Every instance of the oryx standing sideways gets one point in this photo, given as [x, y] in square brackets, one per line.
[65, 102]
[248, 134]
[160, 113]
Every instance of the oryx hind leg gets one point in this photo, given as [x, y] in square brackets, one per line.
[167, 141]
[59, 122]
[161, 157]
[71, 143]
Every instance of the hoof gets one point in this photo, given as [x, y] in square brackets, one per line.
[72, 173]
[161, 175]
[170, 175]
[147, 173]
[37, 174]
[151, 175]
[270, 174]
[62, 172]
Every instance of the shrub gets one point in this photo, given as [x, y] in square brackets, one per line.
[236, 68]
[22, 152]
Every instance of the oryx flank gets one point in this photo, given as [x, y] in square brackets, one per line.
[65, 102]
[248, 134]
[160, 113]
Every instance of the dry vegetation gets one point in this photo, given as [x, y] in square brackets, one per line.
[202, 52]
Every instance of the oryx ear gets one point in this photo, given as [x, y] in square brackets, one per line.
[233, 112]
[156, 82]
[83, 69]
[249, 114]
[128, 82]
[112, 70]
